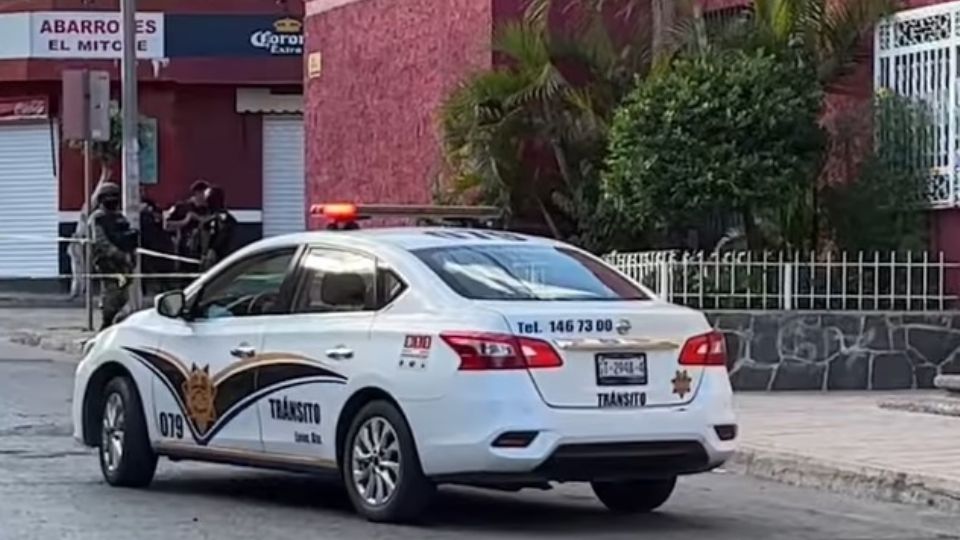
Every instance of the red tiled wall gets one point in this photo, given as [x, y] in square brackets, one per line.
[371, 115]
[946, 236]
[225, 147]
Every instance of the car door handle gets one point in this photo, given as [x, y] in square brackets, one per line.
[339, 353]
[243, 351]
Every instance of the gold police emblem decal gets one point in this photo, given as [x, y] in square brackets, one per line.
[682, 383]
[200, 393]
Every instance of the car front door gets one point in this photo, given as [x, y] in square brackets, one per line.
[325, 341]
[205, 392]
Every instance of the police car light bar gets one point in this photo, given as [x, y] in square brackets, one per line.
[341, 212]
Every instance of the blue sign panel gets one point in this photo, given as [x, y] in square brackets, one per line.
[232, 35]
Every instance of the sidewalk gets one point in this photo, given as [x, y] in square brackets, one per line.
[845, 442]
[55, 329]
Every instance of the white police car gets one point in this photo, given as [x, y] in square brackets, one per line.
[407, 358]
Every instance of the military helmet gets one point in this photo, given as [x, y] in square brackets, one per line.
[107, 190]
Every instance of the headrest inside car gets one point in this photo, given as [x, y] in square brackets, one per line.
[343, 290]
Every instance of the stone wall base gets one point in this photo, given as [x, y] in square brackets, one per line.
[839, 351]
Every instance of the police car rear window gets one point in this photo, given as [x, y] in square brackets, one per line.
[526, 272]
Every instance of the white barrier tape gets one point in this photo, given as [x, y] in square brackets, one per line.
[71, 240]
[58, 239]
[161, 255]
[103, 276]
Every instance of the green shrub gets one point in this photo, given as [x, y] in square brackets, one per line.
[721, 135]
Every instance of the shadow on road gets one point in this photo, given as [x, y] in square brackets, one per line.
[455, 508]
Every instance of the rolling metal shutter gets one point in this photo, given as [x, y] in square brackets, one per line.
[284, 183]
[28, 201]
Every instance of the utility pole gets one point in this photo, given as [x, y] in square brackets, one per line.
[131, 129]
[87, 252]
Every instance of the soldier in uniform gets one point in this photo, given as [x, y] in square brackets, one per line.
[217, 230]
[113, 244]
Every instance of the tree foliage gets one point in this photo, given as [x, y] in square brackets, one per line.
[718, 139]
[884, 208]
[530, 135]
[824, 33]
[722, 136]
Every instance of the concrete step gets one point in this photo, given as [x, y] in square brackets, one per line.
[945, 405]
[950, 383]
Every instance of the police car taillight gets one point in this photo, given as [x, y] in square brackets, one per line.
[484, 352]
[705, 350]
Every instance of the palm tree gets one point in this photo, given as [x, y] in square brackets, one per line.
[528, 134]
[828, 33]
[660, 19]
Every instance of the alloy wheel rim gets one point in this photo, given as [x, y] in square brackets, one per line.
[376, 461]
[112, 433]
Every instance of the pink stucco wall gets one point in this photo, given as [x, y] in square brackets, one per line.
[371, 114]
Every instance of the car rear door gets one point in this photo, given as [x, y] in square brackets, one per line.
[207, 363]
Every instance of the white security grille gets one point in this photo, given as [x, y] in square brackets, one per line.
[28, 201]
[916, 56]
[284, 184]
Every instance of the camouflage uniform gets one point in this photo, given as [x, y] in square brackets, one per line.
[112, 246]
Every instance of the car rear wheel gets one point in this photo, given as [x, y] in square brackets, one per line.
[381, 468]
[126, 458]
[634, 496]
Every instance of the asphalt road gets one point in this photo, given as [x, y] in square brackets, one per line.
[50, 488]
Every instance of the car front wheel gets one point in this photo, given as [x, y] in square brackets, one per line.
[126, 457]
[635, 496]
[381, 468]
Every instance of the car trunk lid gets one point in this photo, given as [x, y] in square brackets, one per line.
[616, 354]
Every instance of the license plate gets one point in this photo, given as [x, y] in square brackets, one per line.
[621, 369]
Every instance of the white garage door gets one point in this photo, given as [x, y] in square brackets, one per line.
[284, 183]
[28, 201]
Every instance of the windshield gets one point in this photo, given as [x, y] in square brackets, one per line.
[512, 272]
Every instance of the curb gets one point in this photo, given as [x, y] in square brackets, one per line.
[950, 383]
[945, 406]
[860, 481]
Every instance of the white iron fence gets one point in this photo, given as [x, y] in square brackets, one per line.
[780, 281]
[915, 55]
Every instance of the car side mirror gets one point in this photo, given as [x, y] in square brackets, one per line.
[171, 304]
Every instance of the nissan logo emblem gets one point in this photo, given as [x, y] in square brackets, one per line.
[623, 327]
